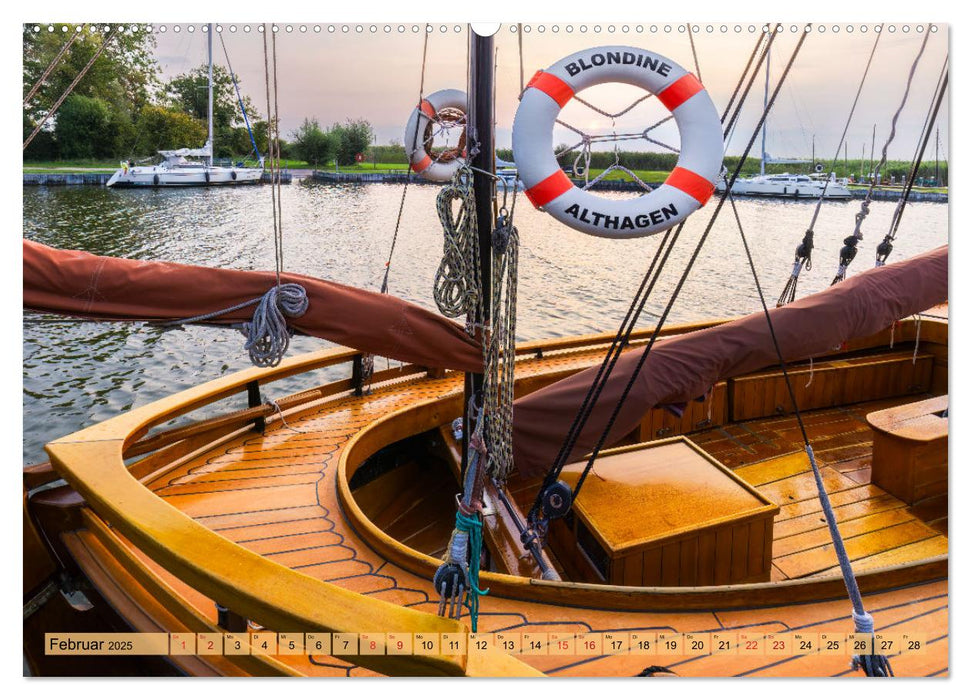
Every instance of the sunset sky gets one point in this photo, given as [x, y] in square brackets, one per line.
[376, 75]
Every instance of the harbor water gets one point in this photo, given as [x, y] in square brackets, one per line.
[79, 373]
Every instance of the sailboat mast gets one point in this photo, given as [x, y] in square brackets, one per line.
[481, 118]
[765, 107]
[212, 149]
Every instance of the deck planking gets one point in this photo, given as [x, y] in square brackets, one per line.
[275, 495]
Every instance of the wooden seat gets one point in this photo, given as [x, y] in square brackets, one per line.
[910, 450]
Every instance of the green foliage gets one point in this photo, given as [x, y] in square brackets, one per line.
[43, 147]
[312, 144]
[162, 129]
[352, 137]
[83, 128]
[393, 153]
[124, 74]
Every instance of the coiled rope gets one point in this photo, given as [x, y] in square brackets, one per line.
[267, 335]
[457, 280]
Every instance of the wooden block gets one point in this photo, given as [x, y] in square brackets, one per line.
[643, 643]
[371, 643]
[913, 643]
[182, 643]
[697, 643]
[263, 643]
[535, 643]
[887, 644]
[590, 644]
[724, 643]
[670, 643]
[509, 642]
[399, 643]
[832, 644]
[481, 642]
[209, 643]
[290, 644]
[342, 643]
[319, 643]
[236, 644]
[751, 643]
[860, 644]
[454, 643]
[613, 643]
[779, 644]
[805, 643]
[562, 643]
[426, 643]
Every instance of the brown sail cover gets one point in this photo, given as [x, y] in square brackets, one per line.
[682, 368]
[75, 283]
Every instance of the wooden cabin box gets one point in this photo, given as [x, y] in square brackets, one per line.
[664, 514]
[910, 450]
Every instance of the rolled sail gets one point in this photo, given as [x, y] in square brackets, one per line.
[76, 283]
[682, 368]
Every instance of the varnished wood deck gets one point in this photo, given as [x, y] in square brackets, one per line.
[275, 494]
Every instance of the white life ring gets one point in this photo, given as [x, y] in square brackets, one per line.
[686, 189]
[443, 168]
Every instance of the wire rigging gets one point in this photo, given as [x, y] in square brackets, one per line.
[70, 88]
[538, 523]
[885, 248]
[684, 276]
[848, 251]
[804, 251]
[50, 67]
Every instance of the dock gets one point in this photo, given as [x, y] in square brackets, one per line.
[100, 179]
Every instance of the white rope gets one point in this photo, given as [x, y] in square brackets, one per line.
[268, 335]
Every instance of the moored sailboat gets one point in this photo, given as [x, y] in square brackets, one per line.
[333, 508]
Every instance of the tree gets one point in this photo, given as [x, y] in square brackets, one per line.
[160, 128]
[43, 147]
[189, 93]
[83, 128]
[126, 72]
[311, 144]
[352, 137]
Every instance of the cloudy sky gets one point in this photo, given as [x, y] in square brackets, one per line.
[375, 75]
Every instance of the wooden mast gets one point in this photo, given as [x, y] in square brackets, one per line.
[481, 118]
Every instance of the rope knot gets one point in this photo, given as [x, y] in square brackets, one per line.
[863, 622]
[268, 335]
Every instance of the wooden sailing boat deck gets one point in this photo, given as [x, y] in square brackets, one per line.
[284, 495]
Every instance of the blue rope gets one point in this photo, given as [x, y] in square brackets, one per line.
[473, 526]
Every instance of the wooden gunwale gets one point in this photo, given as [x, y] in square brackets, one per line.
[92, 462]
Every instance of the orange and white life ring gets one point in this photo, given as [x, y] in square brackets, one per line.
[686, 189]
[418, 136]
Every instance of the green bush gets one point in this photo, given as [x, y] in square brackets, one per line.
[159, 129]
[83, 129]
[352, 137]
[311, 144]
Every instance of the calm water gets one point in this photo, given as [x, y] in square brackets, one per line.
[78, 374]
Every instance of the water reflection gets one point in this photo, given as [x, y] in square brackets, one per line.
[78, 374]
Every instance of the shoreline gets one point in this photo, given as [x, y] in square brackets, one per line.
[402, 176]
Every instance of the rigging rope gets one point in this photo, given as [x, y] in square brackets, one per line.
[77, 79]
[872, 664]
[50, 67]
[538, 524]
[848, 251]
[804, 251]
[886, 246]
[239, 98]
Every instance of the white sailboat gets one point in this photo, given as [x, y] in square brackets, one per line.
[187, 166]
[785, 184]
